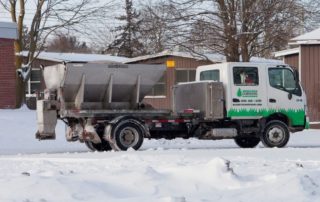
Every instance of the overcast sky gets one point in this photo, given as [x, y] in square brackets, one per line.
[102, 25]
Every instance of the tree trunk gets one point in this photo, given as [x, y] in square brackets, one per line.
[244, 48]
[20, 85]
[228, 18]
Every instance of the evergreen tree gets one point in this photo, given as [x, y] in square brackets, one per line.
[127, 42]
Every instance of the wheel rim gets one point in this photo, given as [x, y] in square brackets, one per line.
[129, 136]
[276, 135]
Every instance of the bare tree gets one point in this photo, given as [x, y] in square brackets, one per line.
[238, 29]
[101, 38]
[47, 17]
[67, 43]
[155, 28]
[311, 15]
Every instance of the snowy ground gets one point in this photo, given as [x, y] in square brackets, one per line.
[164, 171]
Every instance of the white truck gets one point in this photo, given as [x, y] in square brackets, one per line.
[101, 104]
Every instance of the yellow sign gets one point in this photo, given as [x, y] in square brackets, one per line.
[171, 63]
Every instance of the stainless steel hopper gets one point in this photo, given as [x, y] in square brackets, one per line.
[102, 86]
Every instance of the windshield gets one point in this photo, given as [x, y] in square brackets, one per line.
[283, 79]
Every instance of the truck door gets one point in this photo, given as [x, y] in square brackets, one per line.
[285, 95]
[248, 92]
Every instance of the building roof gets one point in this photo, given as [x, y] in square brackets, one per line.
[312, 37]
[287, 52]
[8, 30]
[309, 38]
[77, 57]
[213, 57]
[164, 54]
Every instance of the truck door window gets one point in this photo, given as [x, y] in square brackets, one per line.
[283, 79]
[210, 75]
[245, 76]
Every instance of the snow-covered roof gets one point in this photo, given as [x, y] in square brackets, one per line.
[77, 57]
[8, 30]
[163, 54]
[213, 57]
[312, 37]
[287, 52]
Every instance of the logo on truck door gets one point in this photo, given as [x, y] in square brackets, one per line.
[247, 93]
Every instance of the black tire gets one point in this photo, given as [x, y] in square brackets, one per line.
[275, 134]
[90, 145]
[247, 142]
[126, 134]
[104, 146]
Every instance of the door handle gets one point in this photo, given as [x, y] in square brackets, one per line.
[272, 100]
[235, 100]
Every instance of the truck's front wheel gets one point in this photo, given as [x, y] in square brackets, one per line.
[247, 142]
[275, 134]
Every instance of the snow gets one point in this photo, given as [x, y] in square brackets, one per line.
[77, 57]
[161, 171]
[213, 57]
[291, 51]
[310, 36]
[8, 30]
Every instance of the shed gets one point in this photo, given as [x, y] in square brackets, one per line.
[305, 56]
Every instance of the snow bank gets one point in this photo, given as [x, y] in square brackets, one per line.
[17, 135]
[162, 171]
[155, 176]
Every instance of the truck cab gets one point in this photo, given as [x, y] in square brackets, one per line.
[261, 91]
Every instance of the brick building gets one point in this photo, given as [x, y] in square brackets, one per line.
[8, 33]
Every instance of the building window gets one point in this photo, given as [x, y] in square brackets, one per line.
[183, 75]
[159, 89]
[34, 83]
[245, 76]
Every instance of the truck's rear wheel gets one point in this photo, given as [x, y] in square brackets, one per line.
[247, 142]
[100, 147]
[275, 134]
[126, 134]
[90, 145]
[105, 146]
